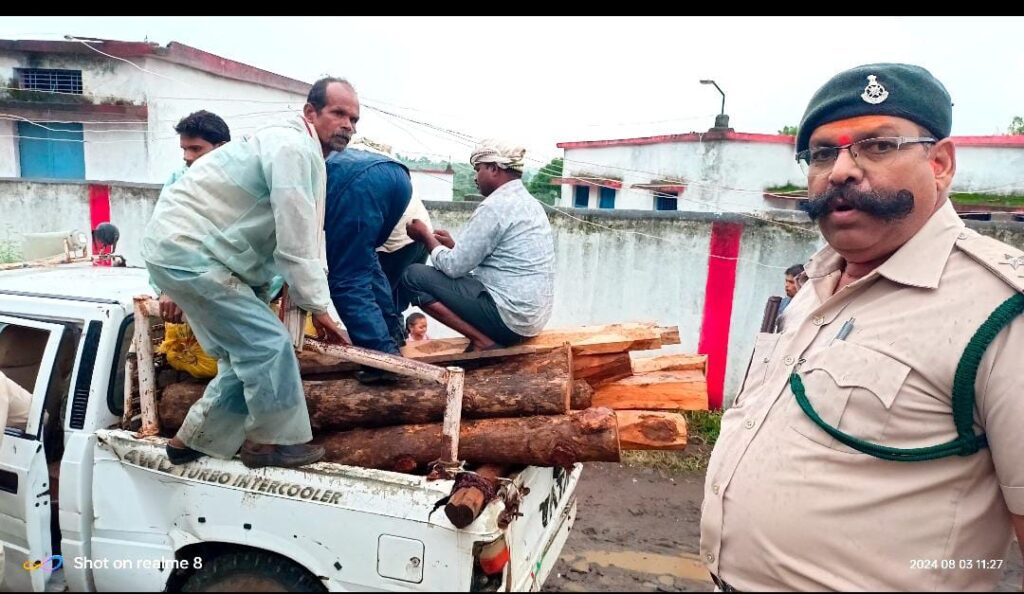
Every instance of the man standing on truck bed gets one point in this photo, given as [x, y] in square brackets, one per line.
[217, 237]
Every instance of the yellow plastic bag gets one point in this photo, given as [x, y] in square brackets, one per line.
[310, 330]
[184, 353]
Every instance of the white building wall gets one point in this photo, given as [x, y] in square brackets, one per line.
[116, 151]
[180, 90]
[148, 151]
[989, 170]
[721, 176]
[430, 185]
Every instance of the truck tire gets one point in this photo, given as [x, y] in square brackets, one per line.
[252, 571]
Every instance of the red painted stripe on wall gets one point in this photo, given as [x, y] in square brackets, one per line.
[99, 207]
[718, 299]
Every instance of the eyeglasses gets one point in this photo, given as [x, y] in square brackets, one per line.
[875, 151]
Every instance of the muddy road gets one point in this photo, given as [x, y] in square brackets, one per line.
[638, 529]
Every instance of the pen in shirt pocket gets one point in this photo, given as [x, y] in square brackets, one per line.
[845, 330]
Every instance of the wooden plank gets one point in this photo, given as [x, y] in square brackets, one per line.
[585, 340]
[651, 430]
[661, 390]
[642, 365]
[670, 335]
[616, 343]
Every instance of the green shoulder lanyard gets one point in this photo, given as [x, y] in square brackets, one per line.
[963, 398]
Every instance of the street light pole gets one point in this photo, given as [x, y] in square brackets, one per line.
[721, 120]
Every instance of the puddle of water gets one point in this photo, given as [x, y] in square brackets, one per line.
[682, 565]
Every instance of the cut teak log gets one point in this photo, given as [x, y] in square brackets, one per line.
[471, 493]
[661, 390]
[589, 435]
[651, 430]
[526, 385]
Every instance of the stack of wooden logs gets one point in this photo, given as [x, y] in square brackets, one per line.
[565, 396]
[562, 397]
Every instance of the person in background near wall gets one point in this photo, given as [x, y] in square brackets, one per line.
[793, 274]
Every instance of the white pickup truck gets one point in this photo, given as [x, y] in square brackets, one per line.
[90, 507]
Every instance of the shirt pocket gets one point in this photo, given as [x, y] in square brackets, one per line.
[852, 388]
[764, 347]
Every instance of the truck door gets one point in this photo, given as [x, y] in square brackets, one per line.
[28, 350]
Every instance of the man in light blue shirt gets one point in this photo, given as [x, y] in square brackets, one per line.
[216, 239]
[496, 286]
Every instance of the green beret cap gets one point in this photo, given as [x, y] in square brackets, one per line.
[900, 90]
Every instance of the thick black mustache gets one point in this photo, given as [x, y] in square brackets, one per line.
[888, 206]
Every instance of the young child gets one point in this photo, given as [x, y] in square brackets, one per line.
[416, 326]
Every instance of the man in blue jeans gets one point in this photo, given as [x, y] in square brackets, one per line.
[367, 193]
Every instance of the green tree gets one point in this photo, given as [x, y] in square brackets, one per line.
[788, 130]
[541, 187]
[1016, 126]
[464, 181]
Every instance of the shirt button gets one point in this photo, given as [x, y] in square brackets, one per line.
[714, 489]
[749, 425]
[962, 236]
[819, 320]
[709, 558]
[766, 359]
[789, 360]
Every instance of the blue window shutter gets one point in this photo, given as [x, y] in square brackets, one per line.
[51, 150]
[581, 196]
[607, 197]
[666, 202]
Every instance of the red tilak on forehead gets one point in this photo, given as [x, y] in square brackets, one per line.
[845, 139]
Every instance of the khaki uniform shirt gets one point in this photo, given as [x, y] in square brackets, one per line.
[14, 404]
[788, 507]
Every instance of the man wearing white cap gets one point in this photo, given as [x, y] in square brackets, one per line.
[497, 285]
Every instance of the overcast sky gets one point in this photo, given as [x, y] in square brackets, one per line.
[541, 80]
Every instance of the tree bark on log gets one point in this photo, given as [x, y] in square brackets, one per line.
[525, 385]
[472, 492]
[590, 435]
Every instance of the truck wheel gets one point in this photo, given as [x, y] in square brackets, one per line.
[252, 571]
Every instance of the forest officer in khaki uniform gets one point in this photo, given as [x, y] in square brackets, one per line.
[878, 442]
